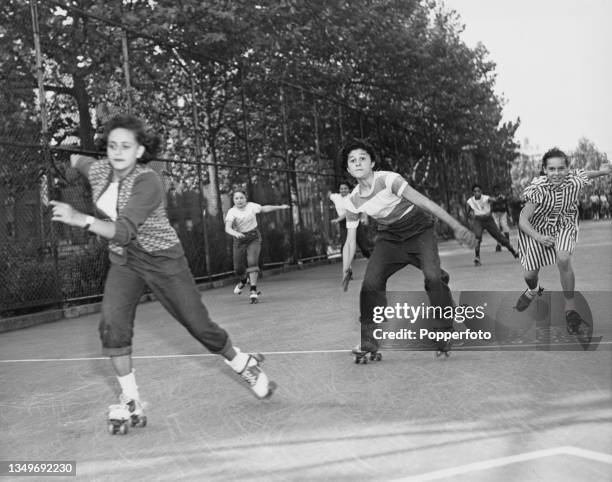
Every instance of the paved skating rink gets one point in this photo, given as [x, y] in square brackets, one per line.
[526, 415]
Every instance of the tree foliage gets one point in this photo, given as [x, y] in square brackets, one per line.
[276, 84]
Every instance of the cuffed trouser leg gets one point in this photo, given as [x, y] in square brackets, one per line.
[122, 292]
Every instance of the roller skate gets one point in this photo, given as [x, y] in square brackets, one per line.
[239, 287]
[252, 374]
[575, 323]
[444, 347]
[254, 297]
[363, 353]
[525, 299]
[477, 261]
[127, 412]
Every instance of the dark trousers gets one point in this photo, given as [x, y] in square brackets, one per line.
[246, 253]
[174, 289]
[392, 252]
[362, 238]
[487, 223]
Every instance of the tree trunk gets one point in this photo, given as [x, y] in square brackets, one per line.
[86, 130]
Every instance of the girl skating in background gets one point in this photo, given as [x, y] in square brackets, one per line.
[241, 224]
[480, 205]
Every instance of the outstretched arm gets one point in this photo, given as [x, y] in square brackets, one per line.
[270, 208]
[81, 163]
[462, 234]
[65, 213]
[604, 170]
[146, 196]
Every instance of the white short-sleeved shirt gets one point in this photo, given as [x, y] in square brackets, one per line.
[481, 206]
[244, 220]
[384, 202]
[339, 203]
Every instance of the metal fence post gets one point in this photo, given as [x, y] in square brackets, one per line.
[44, 138]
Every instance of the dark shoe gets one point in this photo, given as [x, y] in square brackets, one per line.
[574, 321]
[525, 300]
[498, 248]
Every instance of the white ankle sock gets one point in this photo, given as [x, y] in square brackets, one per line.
[128, 386]
[239, 362]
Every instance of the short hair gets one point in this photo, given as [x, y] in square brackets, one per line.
[356, 144]
[241, 191]
[554, 152]
[474, 186]
[344, 183]
[148, 139]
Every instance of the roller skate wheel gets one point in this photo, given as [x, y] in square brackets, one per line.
[272, 386]
[375, 356]
[118, 427]
[139, 421]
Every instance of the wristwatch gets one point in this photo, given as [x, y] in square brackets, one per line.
[88, 222]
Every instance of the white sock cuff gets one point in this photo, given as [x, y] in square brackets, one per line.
[128, 386]
[239, 362]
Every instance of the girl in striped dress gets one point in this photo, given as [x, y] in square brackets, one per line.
[549, 228]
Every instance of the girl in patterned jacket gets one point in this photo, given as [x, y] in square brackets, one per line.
[144, 251]
[549, 228]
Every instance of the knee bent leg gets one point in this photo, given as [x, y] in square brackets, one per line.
[114, 338]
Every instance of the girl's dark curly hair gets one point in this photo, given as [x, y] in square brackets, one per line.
[144, 137]
[356, 144]
[554, 152]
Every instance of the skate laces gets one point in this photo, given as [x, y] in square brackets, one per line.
[250, 373]
[133, 406]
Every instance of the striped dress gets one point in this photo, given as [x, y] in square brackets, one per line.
[556, 214]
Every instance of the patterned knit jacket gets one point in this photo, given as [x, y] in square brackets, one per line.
[155, 233]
